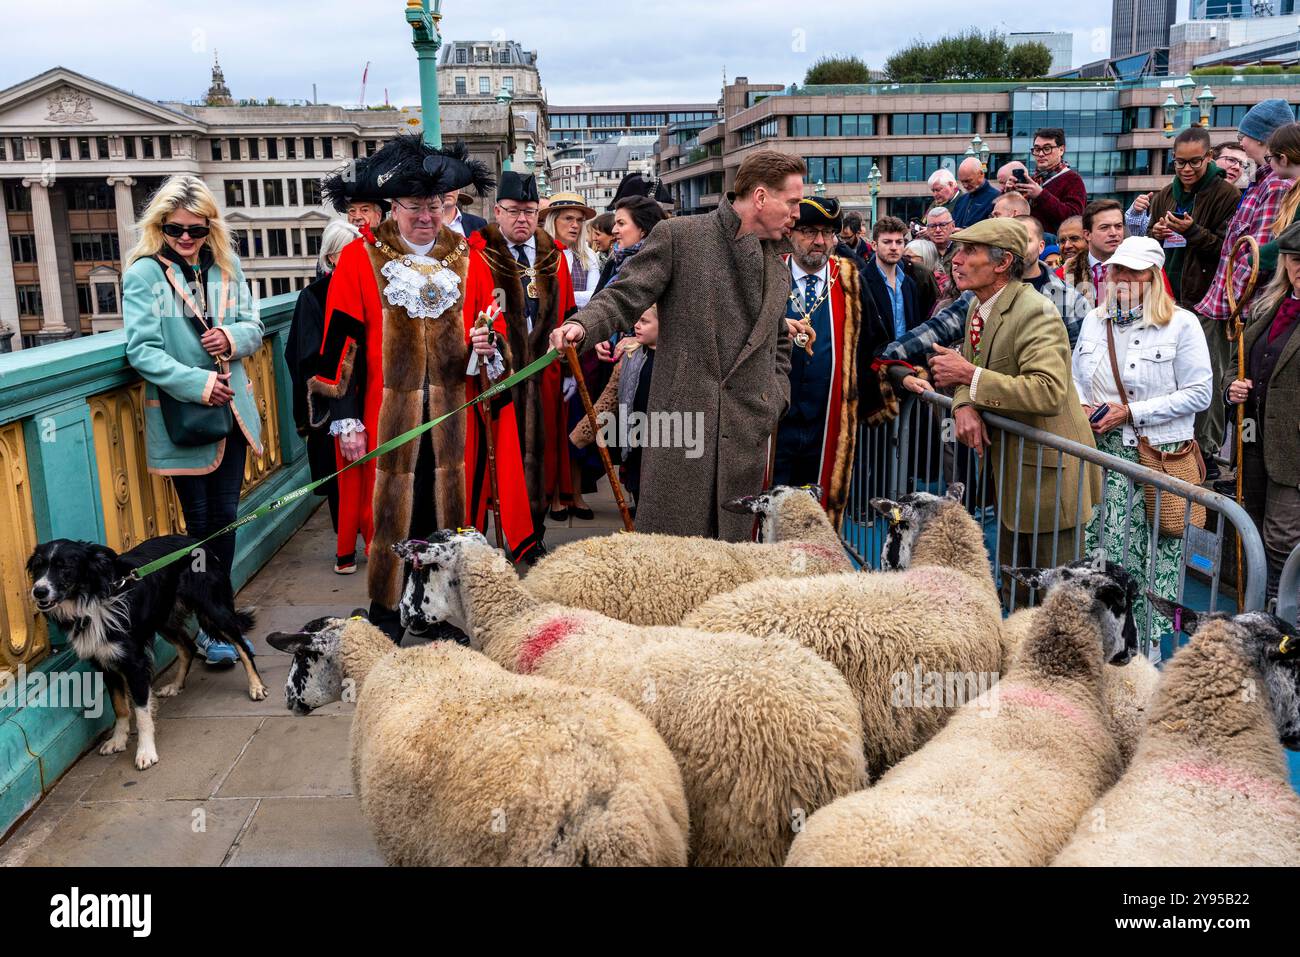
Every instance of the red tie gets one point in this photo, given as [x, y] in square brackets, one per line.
[976, 330]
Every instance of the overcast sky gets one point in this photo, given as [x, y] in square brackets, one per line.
[589, 51]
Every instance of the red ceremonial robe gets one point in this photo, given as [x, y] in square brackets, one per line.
[839, 430]
[538, 403]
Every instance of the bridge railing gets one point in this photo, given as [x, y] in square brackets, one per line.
[72, 465]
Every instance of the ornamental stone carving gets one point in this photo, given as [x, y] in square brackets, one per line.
[68, 105]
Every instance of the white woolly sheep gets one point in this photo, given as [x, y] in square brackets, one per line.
[1005, 781]
[458, 762]
[1129, 691]
[1208, 786]
[764, 731]
[648, 579]
[901, 639]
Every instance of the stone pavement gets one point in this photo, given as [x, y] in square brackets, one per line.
[239, 782]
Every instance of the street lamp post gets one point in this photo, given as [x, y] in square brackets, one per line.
[873, 187]
[505, 97]
[820, 189]
[426, 39]
[1185, 87]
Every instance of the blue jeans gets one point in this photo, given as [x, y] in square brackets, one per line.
[211, 502]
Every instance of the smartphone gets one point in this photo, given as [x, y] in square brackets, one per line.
[1099, 413]
[1020, 175]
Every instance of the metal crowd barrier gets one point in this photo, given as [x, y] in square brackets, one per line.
[1288, 587]
[919, 451]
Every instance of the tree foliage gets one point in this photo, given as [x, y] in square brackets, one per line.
[838, 69]
[970, 55]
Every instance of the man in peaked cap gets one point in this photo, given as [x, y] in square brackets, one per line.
[1015, 361]
[521, 262]
[834, 324]
[394, 350]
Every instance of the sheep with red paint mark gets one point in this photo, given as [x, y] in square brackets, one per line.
[1208, 786]
[647, 579]
[765, 732]
[940, 616]
[458, 762]
[1011, 773]
[1130, 690]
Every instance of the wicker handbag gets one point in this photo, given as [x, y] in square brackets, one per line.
[1183, 463]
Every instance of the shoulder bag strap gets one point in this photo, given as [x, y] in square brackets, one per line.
[199, 322]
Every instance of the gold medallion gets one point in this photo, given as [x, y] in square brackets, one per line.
[532, 289]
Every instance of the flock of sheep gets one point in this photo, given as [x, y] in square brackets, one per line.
[645, 700]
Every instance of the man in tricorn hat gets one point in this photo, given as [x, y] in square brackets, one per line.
[394, 351]
[835, 325]
[522, 263]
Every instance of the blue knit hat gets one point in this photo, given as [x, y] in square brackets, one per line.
[1265, 117]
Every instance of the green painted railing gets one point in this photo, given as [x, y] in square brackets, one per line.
[72, 466]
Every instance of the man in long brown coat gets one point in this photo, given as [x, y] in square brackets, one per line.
[1015, 361]
[723, 358]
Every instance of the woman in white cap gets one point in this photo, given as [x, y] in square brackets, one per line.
[1165, 378]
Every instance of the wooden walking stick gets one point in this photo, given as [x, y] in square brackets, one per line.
[571, 354]
[484, 321]
[1236, 332]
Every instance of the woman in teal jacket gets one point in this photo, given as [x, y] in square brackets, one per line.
[183, 267]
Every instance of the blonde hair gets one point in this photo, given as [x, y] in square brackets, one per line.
[1266, 303]
[1157, 305]
[191, 194]
[581, 251]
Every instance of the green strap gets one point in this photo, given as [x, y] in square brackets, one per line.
[159, 563]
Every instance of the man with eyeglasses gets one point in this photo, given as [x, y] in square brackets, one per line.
[1055, 192]
[521, 272]
[835, 329]
[1190, 215]
[394, 352]
[939, 227]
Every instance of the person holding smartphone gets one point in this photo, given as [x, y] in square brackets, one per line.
[1165, 379]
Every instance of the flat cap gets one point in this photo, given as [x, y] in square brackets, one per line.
[1005, 233]
[1289, 241]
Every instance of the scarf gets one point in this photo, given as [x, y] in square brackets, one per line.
[620, 255]
[1184, 201]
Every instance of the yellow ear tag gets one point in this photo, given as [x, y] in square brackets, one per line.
[1285, 645]
[896, 515]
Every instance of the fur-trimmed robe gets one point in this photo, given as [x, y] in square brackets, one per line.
[840, 432]
[362, 330]
[539, 409]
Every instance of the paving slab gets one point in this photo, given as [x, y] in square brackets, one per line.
[144, 834]
[294, 757]
[195, 754]
[307, 832]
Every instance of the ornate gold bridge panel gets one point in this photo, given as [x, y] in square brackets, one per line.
[23, 635]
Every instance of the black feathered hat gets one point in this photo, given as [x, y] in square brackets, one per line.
[821, 211]
[406, 166]
[634, 184]
[520, 187]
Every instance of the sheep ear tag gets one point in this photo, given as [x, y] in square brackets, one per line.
[1289, 647]
[1185, 619]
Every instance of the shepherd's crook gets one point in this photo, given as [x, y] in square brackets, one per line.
[1236, 331]
[571, 354]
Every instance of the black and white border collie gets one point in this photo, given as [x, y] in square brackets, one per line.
[76, 585]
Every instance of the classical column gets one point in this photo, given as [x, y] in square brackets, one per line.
[47, 264]
[125, 203]
[10, 334]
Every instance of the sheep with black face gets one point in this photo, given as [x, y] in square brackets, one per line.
[1209, 784]
[764, 731]
[456, 761]
[1011, 773]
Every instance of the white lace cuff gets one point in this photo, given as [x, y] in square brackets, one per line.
[496, 366]
[346, 427]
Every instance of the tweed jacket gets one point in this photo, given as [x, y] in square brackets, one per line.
[1025, 357]
[723, 363]
[1281, 426]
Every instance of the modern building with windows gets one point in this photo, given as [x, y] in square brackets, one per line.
[79, 159]
[592, 125]
[1239, 9]
[1140, 25]
[1114, 134]
[1060, 44]
[479, 72]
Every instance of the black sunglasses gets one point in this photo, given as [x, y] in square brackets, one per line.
[176, 231]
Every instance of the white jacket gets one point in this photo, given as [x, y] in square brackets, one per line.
[1166, 374]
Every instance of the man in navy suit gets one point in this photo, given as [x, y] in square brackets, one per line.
[465, 223]
[894, 291]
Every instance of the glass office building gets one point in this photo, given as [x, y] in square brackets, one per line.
[1092, 121]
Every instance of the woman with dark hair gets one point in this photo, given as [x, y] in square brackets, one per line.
[600, 233]
[634, 217]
